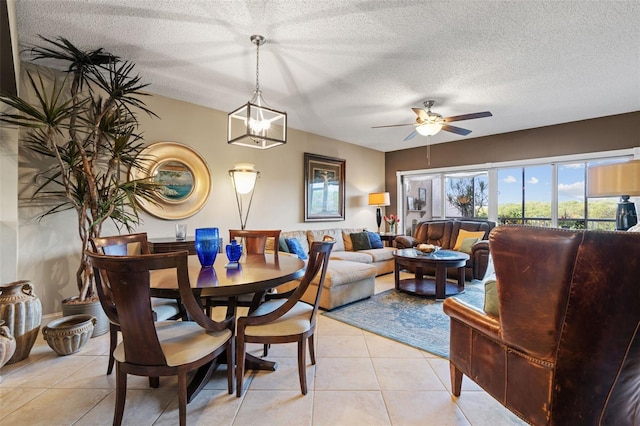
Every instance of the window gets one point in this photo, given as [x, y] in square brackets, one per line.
[539, 192]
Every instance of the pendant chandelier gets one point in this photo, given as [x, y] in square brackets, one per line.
[255, 124]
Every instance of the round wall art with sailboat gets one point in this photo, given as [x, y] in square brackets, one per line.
[183, 173]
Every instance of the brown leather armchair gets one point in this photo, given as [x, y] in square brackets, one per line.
[565, 348]
[444, 233]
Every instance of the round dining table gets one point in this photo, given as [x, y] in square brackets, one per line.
[255, 274]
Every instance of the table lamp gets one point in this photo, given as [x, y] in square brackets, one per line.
[379, 199]
[619, 179]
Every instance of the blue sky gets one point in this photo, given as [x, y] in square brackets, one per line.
[538, 183]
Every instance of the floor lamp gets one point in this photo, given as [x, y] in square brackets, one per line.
[619, 179]
[379, 199]
[244, 177]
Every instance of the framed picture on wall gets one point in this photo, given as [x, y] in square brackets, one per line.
[411, 203]
[324, 193]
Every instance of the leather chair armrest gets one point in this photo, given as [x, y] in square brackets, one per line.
[480, 257]
[403, 242]
[473, 317]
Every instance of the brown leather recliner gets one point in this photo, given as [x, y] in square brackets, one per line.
[444, 233]
[565, 348]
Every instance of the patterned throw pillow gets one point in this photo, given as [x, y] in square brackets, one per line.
[375, 240]
[360, 241]
[296, 248]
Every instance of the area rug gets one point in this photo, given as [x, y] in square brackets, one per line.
[412, 320]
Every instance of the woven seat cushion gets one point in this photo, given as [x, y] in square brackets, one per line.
[295, 321]
[182, 342]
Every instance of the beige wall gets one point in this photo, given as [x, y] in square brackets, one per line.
[49, 250]
[600, 134]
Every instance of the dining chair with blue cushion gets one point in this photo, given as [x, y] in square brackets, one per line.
[160, 348]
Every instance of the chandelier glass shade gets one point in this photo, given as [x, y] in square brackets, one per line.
[255, 124]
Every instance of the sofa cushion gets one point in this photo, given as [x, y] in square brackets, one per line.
[354, 256]
[375, 240]
[301, 236]
[462, 235]
[335, 233]
[295, 247]
[346, 237]
[380, 255]
[344, 272]
[360, 241]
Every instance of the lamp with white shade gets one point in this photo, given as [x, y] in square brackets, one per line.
[244, 177]
[618, 179]
[379, 199]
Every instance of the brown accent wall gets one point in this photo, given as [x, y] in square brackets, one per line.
[599, 134]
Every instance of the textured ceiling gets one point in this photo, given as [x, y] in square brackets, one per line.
[340, 67]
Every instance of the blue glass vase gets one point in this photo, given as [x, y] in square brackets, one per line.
[234, 251]
[207, 241]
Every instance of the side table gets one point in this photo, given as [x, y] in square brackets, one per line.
[169, 244]
[389, 238]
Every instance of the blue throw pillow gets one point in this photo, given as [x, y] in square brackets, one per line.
[296, 248]
[375, 240]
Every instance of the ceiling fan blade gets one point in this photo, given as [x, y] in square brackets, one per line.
[393, 125]
[456, 130]
[420, 113]
[468, 116]
[410, 136]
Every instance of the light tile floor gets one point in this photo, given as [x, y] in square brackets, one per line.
[360, 379]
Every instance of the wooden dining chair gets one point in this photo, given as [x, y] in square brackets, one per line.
[123, 245]
[254, 242]
[160, 348]
[286, 320]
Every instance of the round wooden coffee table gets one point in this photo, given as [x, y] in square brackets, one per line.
[422, 286]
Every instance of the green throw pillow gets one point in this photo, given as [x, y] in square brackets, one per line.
[491, 305]
[282, 245]
[466, 245]
[360, 241]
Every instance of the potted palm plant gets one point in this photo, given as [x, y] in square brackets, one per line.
[80, 124]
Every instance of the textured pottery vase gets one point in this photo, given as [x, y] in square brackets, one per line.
[21, 311]
[7, 345]
[67, 335]
[207, 242]
[70, 307]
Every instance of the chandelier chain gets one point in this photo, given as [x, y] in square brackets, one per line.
[258, 67]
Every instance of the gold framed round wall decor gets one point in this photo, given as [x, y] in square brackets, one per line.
[185, 174]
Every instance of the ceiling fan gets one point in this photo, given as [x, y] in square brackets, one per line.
[429, 123]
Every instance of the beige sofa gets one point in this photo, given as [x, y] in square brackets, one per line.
[350, 274]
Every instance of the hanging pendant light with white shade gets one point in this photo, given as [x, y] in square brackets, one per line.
[255, 124]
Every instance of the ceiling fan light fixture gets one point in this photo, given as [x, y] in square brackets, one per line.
[255, 124]
[429, 128]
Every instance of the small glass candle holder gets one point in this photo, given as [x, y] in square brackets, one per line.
[181, 231]
[234, 253]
